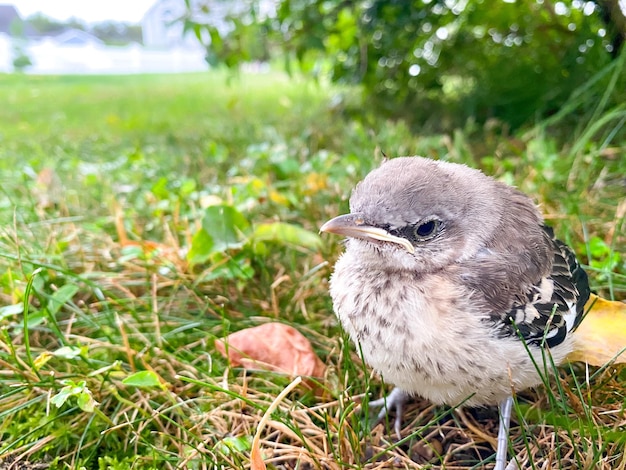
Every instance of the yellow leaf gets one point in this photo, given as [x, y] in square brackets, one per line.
[316, 182]
[42, 359]
[278, 198]
[601, 337]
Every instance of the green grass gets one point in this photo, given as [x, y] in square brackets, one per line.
[114, 260]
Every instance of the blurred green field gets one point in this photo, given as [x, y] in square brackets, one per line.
[141, 217]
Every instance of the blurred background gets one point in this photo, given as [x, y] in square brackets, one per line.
[435, 63]
[73, 37]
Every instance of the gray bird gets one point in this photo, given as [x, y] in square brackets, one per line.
[453, 287]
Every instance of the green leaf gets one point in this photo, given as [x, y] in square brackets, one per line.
[226, 226]
[143, 379]
[71, 389]
[231, 444]
[61, 297]
[227, 267]
[281, 232]
[187, 187]
[34, 319]
[160, 190]
[85, 401]
[70, 352]
[9, 310]
[201, 247]
[598, 247]
[60, 398]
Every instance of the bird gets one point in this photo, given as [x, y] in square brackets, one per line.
[453, 287]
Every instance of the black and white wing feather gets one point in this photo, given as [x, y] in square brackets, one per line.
[554, 305]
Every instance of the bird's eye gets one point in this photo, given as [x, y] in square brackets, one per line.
[427, 230]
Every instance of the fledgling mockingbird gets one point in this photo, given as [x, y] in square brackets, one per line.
[453, 286]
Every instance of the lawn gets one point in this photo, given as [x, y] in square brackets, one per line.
[142, 217]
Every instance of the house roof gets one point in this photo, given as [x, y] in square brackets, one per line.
[76, 37]
[8, 14]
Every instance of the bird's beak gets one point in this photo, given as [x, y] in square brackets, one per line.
[353, 225]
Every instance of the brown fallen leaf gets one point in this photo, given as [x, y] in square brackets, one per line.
[272, 346]
[601, 337]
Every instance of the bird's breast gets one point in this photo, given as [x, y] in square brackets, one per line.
[425, 335]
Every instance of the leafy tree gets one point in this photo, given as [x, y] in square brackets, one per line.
[46, 25]
[20, 58]
[234, 32]
[440, 62]
[115, 32]
[111, 32]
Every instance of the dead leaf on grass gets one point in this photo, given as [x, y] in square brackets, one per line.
[272, 346]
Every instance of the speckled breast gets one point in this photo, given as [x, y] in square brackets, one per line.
[423, 336]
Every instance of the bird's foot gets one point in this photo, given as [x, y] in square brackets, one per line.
[394, 401]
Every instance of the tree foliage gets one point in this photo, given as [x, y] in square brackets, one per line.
[438, 61]
[111, 32]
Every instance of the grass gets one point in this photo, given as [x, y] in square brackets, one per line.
[132, 220]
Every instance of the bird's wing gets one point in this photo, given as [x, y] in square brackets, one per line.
[553, 305]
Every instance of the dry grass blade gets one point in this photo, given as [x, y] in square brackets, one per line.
[256, 460]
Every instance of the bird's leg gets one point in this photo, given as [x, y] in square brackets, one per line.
[395, 400]
[503, 433]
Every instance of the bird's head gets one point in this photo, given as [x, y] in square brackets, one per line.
[421, 214]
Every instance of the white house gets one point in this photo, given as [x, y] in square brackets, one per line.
[77, 52]
[76, 37]
[162, 25]
[6, 53]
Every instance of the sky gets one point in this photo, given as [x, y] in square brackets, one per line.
[87, 10]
